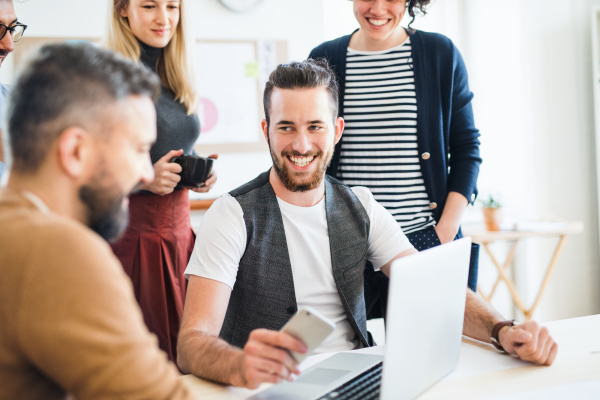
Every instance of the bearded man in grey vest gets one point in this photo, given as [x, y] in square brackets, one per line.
[295, 236]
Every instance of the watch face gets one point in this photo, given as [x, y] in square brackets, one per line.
[241, 5]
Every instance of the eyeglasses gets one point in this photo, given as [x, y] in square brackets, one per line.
[16, 31]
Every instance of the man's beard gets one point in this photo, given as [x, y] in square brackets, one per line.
[107, 214]
[286, 176]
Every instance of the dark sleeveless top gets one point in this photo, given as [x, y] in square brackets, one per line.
[263, 295]
[175, 129]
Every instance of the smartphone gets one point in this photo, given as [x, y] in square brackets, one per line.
[309, 326]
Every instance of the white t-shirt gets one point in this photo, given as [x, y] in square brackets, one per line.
[221, 243]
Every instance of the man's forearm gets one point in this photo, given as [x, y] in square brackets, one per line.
[528, 340]
[209, 357]
[480, 318]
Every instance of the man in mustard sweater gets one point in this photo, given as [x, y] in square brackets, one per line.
[81, 124]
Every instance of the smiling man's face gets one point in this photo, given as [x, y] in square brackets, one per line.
[8, 17]
[302, 135]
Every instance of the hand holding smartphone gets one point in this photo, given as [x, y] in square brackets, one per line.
[309, 326]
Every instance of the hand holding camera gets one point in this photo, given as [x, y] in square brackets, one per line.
[196, 172]
[166, 174]
[176, 170]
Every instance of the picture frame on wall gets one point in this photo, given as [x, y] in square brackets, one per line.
[231, 80]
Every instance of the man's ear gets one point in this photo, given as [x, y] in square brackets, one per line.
[339, 128]
[265, 128]
[73, 150]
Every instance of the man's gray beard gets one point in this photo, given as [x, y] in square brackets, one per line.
[104, 205]
[107, 217]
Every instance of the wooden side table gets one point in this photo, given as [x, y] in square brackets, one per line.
[485, 238]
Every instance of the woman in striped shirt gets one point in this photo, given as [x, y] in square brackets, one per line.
[409, 136]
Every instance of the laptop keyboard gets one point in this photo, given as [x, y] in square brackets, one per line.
[362, 387]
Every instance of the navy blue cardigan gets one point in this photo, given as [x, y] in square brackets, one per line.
[445, 123]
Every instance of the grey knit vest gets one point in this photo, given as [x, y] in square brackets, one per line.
[263, 295]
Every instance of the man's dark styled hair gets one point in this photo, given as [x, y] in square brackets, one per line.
[66, 85]
[307, 74]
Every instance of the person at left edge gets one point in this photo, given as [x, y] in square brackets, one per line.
[11, 30]
[159, 240]
[81, 122]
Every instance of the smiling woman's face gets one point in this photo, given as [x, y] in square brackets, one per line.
[154, 22]
[379, 19]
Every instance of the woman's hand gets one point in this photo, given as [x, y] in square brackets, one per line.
[445, 233]
[447, 228]
[210, 182]
[165, 175]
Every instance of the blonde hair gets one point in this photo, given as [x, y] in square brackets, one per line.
[175, 67]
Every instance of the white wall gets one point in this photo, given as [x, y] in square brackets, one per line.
[298, 22]
[531, 72]
[339, 18]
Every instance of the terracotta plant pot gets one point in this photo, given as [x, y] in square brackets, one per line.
[492, 217]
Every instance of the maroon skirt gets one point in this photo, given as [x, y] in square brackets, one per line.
[154, 251]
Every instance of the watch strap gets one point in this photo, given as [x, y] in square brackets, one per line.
[496, 330]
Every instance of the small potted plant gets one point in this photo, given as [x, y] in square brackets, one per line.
[491, 213]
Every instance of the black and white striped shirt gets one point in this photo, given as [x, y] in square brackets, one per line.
[379, 149]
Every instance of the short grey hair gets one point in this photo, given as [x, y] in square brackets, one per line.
[65, 85]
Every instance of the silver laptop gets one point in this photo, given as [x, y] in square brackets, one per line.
[426, 306]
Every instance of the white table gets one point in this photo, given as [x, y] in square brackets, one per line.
[482, 371]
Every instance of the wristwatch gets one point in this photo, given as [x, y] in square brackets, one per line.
[494, 338]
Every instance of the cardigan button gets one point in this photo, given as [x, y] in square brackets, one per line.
[425, 156]
[433, 205]
[291, 310]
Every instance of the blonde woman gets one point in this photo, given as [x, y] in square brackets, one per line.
[159, 240]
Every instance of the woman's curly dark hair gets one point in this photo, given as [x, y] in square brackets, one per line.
[414, 7]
